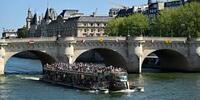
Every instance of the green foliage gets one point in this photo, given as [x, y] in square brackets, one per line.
[178, 22]
[133, 25]
[113, 27]
[22, 32]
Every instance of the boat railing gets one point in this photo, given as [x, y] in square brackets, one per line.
[75, 72]
[86, 72]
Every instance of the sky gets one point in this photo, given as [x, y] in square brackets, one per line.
[13, 12]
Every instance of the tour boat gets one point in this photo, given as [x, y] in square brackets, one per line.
[98, 80]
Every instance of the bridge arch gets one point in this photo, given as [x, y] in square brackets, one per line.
[105, 55]
[42, 56]
[167, 60]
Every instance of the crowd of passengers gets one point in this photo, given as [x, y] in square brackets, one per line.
[83, 67]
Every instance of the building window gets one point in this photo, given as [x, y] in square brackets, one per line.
[98, 34]
[91, 24]
[93, 30]
[84, 34]
[80, 24]
[85, 30]
[91, 34]
[99, 30]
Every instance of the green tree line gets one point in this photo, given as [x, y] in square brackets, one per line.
[133, 25]
[182, 21]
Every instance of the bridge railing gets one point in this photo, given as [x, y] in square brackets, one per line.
[43, 39]
[196, 39]
[35, 39]
[100, 38]
[179, 39]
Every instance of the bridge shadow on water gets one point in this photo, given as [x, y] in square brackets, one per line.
[16, 65]
[165, 61]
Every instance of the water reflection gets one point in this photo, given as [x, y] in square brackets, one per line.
[4, 88]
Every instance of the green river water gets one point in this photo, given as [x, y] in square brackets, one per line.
[157, 86]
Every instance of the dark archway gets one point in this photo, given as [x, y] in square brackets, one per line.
[103, 56]
[166, 60]
[29, 58]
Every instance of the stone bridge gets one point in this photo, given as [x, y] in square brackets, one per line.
[128, 52]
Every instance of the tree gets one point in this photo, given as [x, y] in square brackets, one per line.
[22, 32]
[136, 24]
[113, 26]
[179, 22]
[162, 24]
[133, 25]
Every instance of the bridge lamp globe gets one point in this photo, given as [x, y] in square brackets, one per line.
[198, 51]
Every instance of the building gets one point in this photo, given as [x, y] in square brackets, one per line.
[68, 23]
[85, 26]
[116, 12]
[151, 9]
[155, 8]
[193, 0]
[9, 34]
[39, 28]
[174, 4]
[113, 12]
[81, 26]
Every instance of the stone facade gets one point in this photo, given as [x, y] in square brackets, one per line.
[67, 23]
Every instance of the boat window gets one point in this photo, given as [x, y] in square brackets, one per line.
[123, 78]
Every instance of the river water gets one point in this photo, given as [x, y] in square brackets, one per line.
[157, 86]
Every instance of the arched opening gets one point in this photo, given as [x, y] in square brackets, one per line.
[165, 60]
[103, 56]
[28, 62]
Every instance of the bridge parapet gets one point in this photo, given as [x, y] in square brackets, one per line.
[69, 39]
[196, 39]
[176, 39]
[101, 38]
[41, 39]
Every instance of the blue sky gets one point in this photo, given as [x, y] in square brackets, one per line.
[13, 12]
